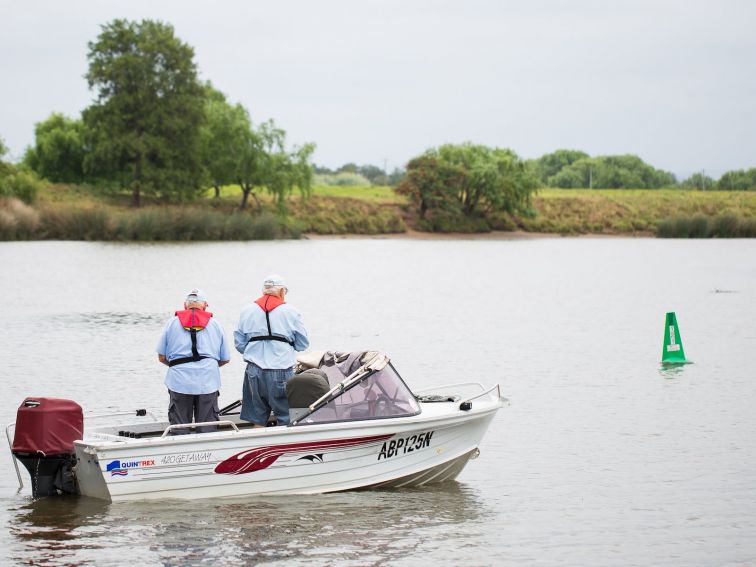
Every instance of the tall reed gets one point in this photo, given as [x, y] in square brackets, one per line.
[53, 222]
[702, 226]
[18, 221]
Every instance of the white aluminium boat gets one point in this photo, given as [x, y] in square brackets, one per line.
[368, 431]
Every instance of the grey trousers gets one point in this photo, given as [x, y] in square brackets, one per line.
[188, 408]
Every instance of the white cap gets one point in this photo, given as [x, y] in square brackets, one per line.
[274, 280]
[196, 295]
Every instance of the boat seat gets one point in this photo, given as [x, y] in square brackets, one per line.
[305, 388]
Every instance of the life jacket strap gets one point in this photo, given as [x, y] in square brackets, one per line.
[270, 336]
[186, 359]
[195, 353]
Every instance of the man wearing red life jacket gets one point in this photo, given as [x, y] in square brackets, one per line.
[193, 347]
[269, 334]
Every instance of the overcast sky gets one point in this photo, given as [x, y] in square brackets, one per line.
[367, 81]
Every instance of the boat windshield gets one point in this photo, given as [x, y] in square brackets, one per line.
[383, 394]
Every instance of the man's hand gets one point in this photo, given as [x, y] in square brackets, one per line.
[163, 359]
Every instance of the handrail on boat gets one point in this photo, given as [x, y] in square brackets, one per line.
[484, 392]
[15, 463]
[134, 413]
[202, 423]
[498, 394]
[109, 436]
[457, 385]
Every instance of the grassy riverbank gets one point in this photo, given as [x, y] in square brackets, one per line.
[69, 212]
[639, 212]
[66, 212]
[630, 211]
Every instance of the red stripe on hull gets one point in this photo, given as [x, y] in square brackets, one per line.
[259, 458]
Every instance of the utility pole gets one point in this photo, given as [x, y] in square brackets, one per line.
[385, 170]
[590, 177]
[703, 180]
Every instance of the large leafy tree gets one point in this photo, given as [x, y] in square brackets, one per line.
[468, 180]
[432, 185]
[58, 152]
[149, 108]
[225, 136]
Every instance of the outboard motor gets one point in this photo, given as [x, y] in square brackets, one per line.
[45, 431]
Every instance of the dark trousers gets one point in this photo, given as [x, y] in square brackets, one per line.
[188, 408]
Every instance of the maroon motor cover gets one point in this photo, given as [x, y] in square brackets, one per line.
[48, 425]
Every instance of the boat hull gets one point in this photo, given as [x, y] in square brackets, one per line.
[285, 460]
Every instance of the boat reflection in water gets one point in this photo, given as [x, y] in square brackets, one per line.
[339, 528]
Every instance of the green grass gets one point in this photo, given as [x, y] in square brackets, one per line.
[346, 215]
[371, 194]
[383, 195]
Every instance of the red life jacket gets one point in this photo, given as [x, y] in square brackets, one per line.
[268, 303]
[192, 320]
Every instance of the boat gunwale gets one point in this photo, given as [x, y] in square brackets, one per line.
[449, 417]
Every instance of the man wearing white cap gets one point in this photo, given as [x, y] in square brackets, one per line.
[269, 334]
[193, 347]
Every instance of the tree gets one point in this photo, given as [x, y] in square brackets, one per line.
[266, 165]
[58, 152]
[549, 165]
[224, 136]
[5, 168]
[432, 185]
[348, 168]
[322, 170]
[738, 180]
[699, 181]
[145, 122]
[495, 179]
[299, 174]
[395, 177]
[468, 180]
[251, 166]
[611, 172]
[373, 173]
[21, 184]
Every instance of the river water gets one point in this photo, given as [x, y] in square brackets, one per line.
[602, 457]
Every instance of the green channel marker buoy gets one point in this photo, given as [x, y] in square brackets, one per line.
[672, 352]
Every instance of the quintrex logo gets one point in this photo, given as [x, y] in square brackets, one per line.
[118, 468]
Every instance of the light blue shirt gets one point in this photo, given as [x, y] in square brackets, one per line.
[203, 376]
[285, 321]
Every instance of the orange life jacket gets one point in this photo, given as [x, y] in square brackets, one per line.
[193, 320]
[268, 303]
